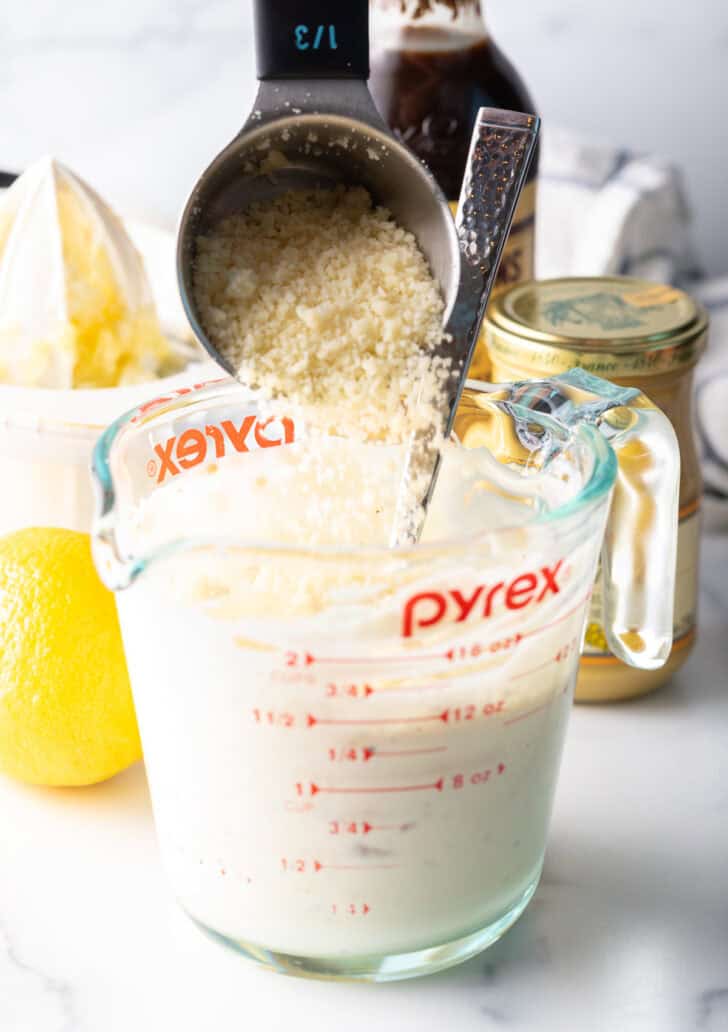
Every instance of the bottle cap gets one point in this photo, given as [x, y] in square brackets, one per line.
[610, 326]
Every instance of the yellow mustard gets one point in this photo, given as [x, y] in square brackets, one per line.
[636, 334]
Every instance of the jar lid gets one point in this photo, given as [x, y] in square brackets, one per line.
[610, 326]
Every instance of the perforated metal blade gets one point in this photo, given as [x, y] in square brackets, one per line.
[501, 152]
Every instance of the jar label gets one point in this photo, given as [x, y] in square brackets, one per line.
[517, 266]
[686, 591]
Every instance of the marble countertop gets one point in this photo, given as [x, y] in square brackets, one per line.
[627, 933]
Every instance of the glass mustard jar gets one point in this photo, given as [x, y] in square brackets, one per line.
[636, 334]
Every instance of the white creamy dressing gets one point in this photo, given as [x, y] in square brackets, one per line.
[351, 755]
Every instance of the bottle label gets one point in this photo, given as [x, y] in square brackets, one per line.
[517, 265]
[686, 593]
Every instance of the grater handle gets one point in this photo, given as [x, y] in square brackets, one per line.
[319, 39]
[501, 152]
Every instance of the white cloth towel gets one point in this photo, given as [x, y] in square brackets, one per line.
[606, 211]
[712, 404]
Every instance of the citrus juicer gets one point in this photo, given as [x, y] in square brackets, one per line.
[314, 108]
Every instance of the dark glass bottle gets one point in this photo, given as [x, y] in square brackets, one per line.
[433, 66]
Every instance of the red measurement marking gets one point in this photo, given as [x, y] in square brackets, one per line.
[479, 777]
[293, 806]
[533, 670]
[273, 719]
[409, 658]
[564, 653]
[530, 713]
[296, 866]
[348, 691]
[314, 789]
[349, 827]
[560, 619]
[318, 866]
[350, 909]
[477, 649]
[298, 659]
[381, 755]
[363, 827]
[312, 721]
[293, 676]
[351, 755]
[431, 686]
[460, 714]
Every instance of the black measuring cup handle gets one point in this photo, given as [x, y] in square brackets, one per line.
[318, 39]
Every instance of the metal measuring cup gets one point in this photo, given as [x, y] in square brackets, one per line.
[314, 107]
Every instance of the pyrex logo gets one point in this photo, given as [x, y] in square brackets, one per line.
[433, 607]
[193, 447]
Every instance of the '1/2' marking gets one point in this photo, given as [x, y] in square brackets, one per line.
[300, 866]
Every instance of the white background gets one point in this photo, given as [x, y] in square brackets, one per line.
[139, 94]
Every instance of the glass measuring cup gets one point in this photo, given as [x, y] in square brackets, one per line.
[352, 752]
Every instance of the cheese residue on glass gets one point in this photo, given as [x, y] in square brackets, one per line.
[76, 308]
[319, 298]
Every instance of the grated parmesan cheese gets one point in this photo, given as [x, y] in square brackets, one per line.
[321, 299]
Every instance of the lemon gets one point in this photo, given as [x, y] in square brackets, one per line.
[66, 711]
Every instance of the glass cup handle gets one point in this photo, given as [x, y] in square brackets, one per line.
[639, 554]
